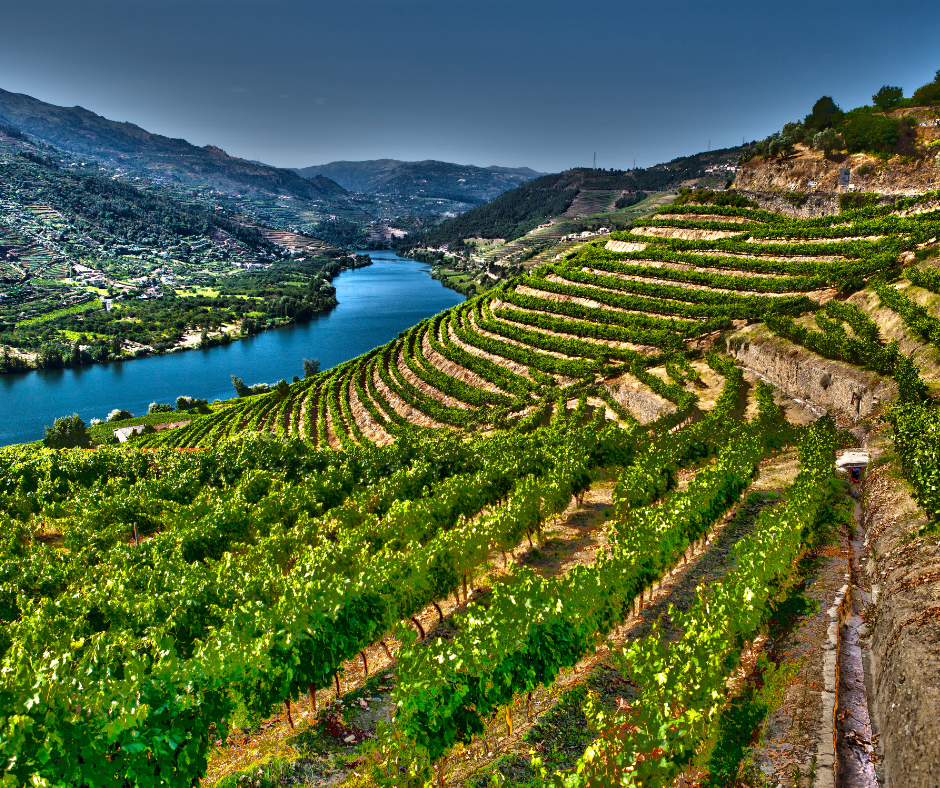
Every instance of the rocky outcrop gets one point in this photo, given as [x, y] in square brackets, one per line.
[900, 175]
[805, 375]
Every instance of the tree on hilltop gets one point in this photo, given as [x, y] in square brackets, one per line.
[888, 97]
[825, 115]
[927, 94]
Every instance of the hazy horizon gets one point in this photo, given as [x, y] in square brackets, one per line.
[542, 85]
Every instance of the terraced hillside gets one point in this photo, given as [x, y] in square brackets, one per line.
[619, 320]
[547, 537]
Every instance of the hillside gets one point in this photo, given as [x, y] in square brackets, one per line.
[574, 193]
[910, 167]
[93, 267]
[891, 146]
[607, 478]
[458, 182]
[82, 132]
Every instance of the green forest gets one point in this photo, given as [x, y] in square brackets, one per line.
[509, 216]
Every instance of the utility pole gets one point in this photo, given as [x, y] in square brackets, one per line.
[595, 160]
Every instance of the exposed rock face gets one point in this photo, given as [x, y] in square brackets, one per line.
[898, 176]
[904, 642]
[805, 375]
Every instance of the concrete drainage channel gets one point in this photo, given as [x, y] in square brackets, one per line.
[855, 739]
[846, 758]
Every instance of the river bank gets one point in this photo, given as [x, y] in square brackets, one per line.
[14, 360]
[375, 304]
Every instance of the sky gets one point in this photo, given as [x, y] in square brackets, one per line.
[515, 83]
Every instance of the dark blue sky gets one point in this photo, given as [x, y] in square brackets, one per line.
[513, 82]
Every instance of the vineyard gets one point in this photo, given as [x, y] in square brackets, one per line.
[381, 532]
[599, 323]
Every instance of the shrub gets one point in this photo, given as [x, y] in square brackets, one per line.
[797, 199]
[67, 432]
[191, 403]
[628, 199]
[794, 131]
[872, 133]
[852, 200]
[240, 388]
[160, 407]
[119, 414]
[731, 199]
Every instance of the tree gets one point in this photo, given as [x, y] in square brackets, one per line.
[871, 133]
[311, 367]
[825, 115]
[794, 131]
[119, 414]
[191, 403]
[282, 389]
[827, 141]
[241, 389]
[888, 97]
[160, 407]
[927, 94]
[67, 432]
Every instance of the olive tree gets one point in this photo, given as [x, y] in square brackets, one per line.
[827, 141]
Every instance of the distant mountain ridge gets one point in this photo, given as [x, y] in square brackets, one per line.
[429, 178]
[516, 212]
[84, 133]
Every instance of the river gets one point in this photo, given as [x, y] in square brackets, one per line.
[375, 304]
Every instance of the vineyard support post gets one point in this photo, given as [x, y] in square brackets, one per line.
[365, 662]
[312, 694]
[418, 625]
[290, 720]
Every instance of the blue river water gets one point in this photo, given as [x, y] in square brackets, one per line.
[375, 304]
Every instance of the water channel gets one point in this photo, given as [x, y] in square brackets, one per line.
[375, 303]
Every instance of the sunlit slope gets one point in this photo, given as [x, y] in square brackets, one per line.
[603, 317]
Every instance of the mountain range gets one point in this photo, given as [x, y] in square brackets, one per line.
[85, 133]
[459, 182]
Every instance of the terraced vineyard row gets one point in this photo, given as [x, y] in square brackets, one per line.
[597, 319]
[324, 551]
